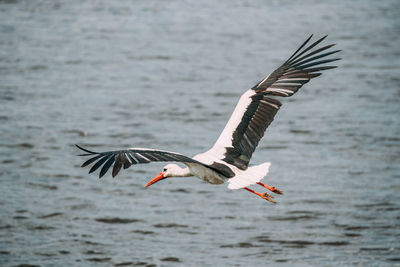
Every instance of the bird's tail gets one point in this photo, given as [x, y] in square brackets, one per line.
[250, 176]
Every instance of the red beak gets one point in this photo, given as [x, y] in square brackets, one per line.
[159, 177]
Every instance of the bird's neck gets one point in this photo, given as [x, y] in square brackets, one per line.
[182, 172]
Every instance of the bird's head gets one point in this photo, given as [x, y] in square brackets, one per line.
[169, 170]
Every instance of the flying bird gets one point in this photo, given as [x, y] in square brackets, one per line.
[228, 160]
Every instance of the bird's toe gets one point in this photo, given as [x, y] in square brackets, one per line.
[268, 197]
[277, 191]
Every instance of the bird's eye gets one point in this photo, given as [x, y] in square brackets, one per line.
[164, 170]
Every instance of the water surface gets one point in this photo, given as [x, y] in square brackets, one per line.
[111, 75]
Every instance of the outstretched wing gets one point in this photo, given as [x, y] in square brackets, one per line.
[256, 109]
[126, 158]
[299, 69]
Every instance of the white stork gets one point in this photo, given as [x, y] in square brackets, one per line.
[228, 160]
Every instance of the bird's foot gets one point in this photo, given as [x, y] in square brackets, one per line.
[262, 195]
[272, 188]
[276, 190]
[268, 197]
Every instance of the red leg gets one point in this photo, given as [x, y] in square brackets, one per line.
[262, 195]
[271, 188]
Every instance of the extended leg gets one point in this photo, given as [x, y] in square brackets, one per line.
[271, 188]
[262, 195]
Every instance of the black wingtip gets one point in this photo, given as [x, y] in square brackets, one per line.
[294, 54]
[91, 160]
[84, 149]
[321, 39]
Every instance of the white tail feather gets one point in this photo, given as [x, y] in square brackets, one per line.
[251, 176]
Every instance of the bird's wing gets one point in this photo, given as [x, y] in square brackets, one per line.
[256, 109]
[126, 158]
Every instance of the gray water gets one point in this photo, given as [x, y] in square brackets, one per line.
[167, 74]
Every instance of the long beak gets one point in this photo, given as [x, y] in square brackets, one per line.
[159, 177]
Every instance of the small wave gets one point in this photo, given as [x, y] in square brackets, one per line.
[295, 243]
[335, 243]
[44, 186]
[27, 265]
[276, 147]
[300, 131]
[356, 228]
[38, 67]
[352, 234]
[171, 259]
[93, 252]
[118, 220]
[294, 218]
[129, 263]
[374, 249]
[26, 145]
[7, 161]
[50, 215]
[87, 242]
[42, 228]
[80, 206]
[239, 245]
[75, 132]
[179, 190]
[45, 254]
[143, 232]
[170, 225]
[99, 259]
[20, 217]
[187, 232]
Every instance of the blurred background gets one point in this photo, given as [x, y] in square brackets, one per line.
[167, 74]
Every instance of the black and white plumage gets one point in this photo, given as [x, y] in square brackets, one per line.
[228, 160]
[131, 156]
